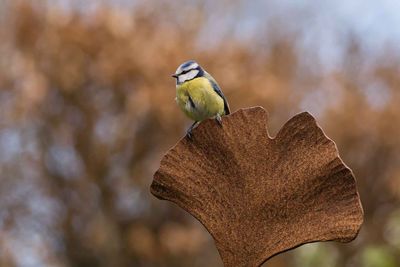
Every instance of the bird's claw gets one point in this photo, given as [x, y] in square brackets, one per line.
[189, 131]
[218, 119]
[189, 134]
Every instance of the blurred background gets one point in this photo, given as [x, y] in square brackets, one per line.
[87, 111]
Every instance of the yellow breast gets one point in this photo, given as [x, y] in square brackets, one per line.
[198, 100]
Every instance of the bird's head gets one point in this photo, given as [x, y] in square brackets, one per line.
[188, 71]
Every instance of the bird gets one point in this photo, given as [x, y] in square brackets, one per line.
[198, 95]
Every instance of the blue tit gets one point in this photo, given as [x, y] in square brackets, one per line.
[198, 94]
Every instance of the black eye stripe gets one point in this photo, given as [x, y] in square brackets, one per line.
[189, 70]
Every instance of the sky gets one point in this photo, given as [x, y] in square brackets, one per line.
[321, 25]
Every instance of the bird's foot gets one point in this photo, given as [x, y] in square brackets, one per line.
[189, 134]
[218, 119]
[189, 131]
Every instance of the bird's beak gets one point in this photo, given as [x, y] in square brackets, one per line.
[174, 75]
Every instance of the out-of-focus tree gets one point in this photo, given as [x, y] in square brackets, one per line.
[87, 110]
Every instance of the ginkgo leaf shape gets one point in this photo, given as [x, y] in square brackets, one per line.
[259, 196]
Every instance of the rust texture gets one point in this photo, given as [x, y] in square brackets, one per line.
[259, 196]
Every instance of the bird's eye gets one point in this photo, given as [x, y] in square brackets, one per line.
[186, 71]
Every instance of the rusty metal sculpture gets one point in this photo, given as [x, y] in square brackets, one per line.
[259, 196]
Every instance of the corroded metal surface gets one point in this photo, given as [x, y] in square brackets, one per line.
[259, 196]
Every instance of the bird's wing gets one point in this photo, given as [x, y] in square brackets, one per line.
[219, 92]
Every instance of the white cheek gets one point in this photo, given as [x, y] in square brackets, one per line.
[188, 76]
